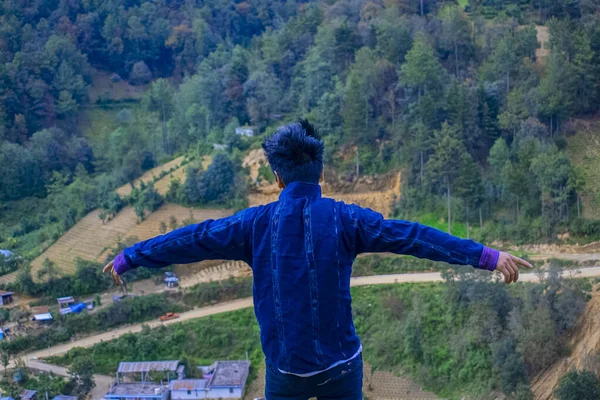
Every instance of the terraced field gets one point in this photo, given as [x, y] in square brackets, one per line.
[148, 177]
[90, 239]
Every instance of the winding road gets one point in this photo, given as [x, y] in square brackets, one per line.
[103, 382]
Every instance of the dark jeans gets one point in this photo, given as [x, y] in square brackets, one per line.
[343, 382]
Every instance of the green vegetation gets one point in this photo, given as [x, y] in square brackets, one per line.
[374, 264]
[223, 336]
[127, 311]
[203, 294]
[461, 107]
[468, 337]
[576, 385]
[42, 383]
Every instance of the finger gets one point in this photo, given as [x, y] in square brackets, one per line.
[510, 274]
[117, 278]
[515, 269]
[108, 266]
[520, 261]
[504, 273]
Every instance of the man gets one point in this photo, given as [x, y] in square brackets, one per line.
[301, 249]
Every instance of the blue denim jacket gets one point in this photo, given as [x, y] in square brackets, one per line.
[301, 249]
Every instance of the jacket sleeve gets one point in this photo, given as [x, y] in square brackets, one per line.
[375, 234]
[222, 239]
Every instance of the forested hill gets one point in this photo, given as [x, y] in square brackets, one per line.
[452, 93]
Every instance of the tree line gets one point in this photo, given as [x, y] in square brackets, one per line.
[459, 99]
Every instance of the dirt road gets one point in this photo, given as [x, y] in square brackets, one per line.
[103, 382]
[247, 302]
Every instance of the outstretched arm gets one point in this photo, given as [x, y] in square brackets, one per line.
[222, 239]
[376, 234]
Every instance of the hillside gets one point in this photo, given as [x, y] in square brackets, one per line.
[377, 193]
[151, 175]
[585, 347]
[583, 150]
[90, 238]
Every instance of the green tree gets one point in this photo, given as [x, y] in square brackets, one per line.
[159, 99]
[422, 70]
[444, 165]
[555, 92]
[456, 35]
[66, 104]
[5, 358]
[49, 269]
[576, 385]
[515, 111]
[81, 372]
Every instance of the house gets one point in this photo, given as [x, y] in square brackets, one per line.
[43, 319]
[246, 131]
[6, 398]
[221, 147]
[137, 391]
[63, 397]
[222, 380]
[40, 310]
[125, 386]
[188, 389]
[5, 298]
[28, 394]
[143, 368]
[64, 303]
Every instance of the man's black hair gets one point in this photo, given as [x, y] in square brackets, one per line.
[295, 152]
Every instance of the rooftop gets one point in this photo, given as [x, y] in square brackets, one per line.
[4, 293]
[28, 394]
[65, 300]
[230, 373]
[64, 397]
[188, 384]
[43, 317]
[40, 309]
[147, 366]
[136, 390]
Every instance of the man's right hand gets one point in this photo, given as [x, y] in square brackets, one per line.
[508, 265]
[110, 268]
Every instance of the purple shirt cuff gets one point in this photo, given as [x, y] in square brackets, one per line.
[489, 259]
[121, 266]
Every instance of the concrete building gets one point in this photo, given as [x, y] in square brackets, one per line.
[138, 391]
[43, 319]
[132, 380]
[245, 131]
[5, 298]
[188, 389]
[222, 380]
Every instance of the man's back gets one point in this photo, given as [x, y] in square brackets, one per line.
[302, 256]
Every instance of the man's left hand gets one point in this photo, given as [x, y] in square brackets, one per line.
[508, 265]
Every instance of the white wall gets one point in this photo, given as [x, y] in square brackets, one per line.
[210, 394]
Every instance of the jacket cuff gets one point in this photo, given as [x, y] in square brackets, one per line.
[489, 259]
[121, 265]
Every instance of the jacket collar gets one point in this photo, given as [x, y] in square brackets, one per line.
[301, 189]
